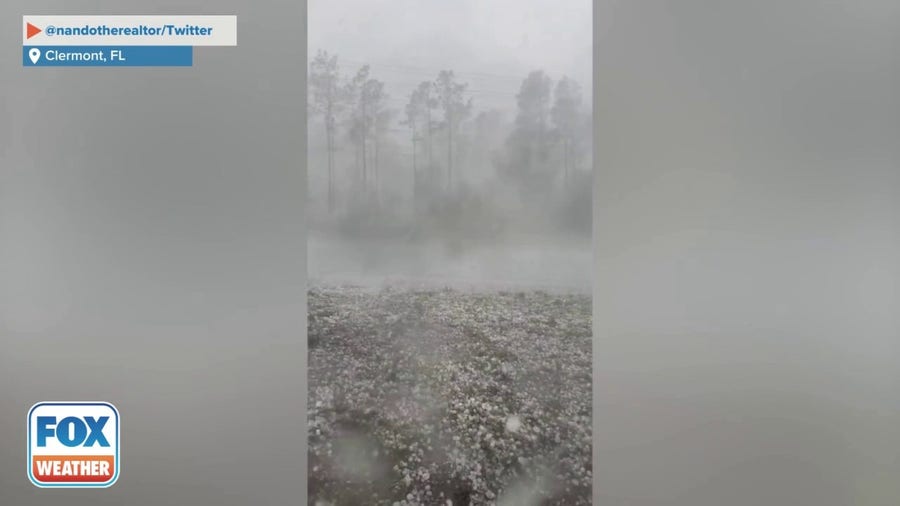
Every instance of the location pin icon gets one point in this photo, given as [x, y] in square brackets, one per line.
[35, 54]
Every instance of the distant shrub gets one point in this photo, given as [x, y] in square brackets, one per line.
[573, 209]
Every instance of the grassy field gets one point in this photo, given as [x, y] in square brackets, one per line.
[447, 397]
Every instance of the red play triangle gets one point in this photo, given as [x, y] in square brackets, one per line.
[31, 30]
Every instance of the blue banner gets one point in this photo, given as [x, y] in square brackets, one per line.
[107, 56]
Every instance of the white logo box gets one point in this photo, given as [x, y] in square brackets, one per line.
[74, 444]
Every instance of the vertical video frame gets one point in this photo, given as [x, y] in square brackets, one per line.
[449, 253]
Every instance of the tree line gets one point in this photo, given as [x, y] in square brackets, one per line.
[547, 142]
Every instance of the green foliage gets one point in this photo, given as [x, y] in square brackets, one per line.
[540, 160]
[326, 95]
[573, 208]
[526, 161]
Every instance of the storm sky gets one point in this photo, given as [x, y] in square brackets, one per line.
[492, 45]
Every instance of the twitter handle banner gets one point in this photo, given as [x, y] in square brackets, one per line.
[121, 41]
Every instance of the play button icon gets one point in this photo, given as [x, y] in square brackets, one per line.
[31, 30]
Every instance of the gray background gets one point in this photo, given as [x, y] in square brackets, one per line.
[152, 254]
[745, 238]
[746, 253]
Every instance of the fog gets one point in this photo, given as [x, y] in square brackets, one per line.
[446, 155]
[494, 44]
[449, 252]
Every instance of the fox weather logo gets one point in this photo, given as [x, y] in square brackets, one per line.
[73, 444]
